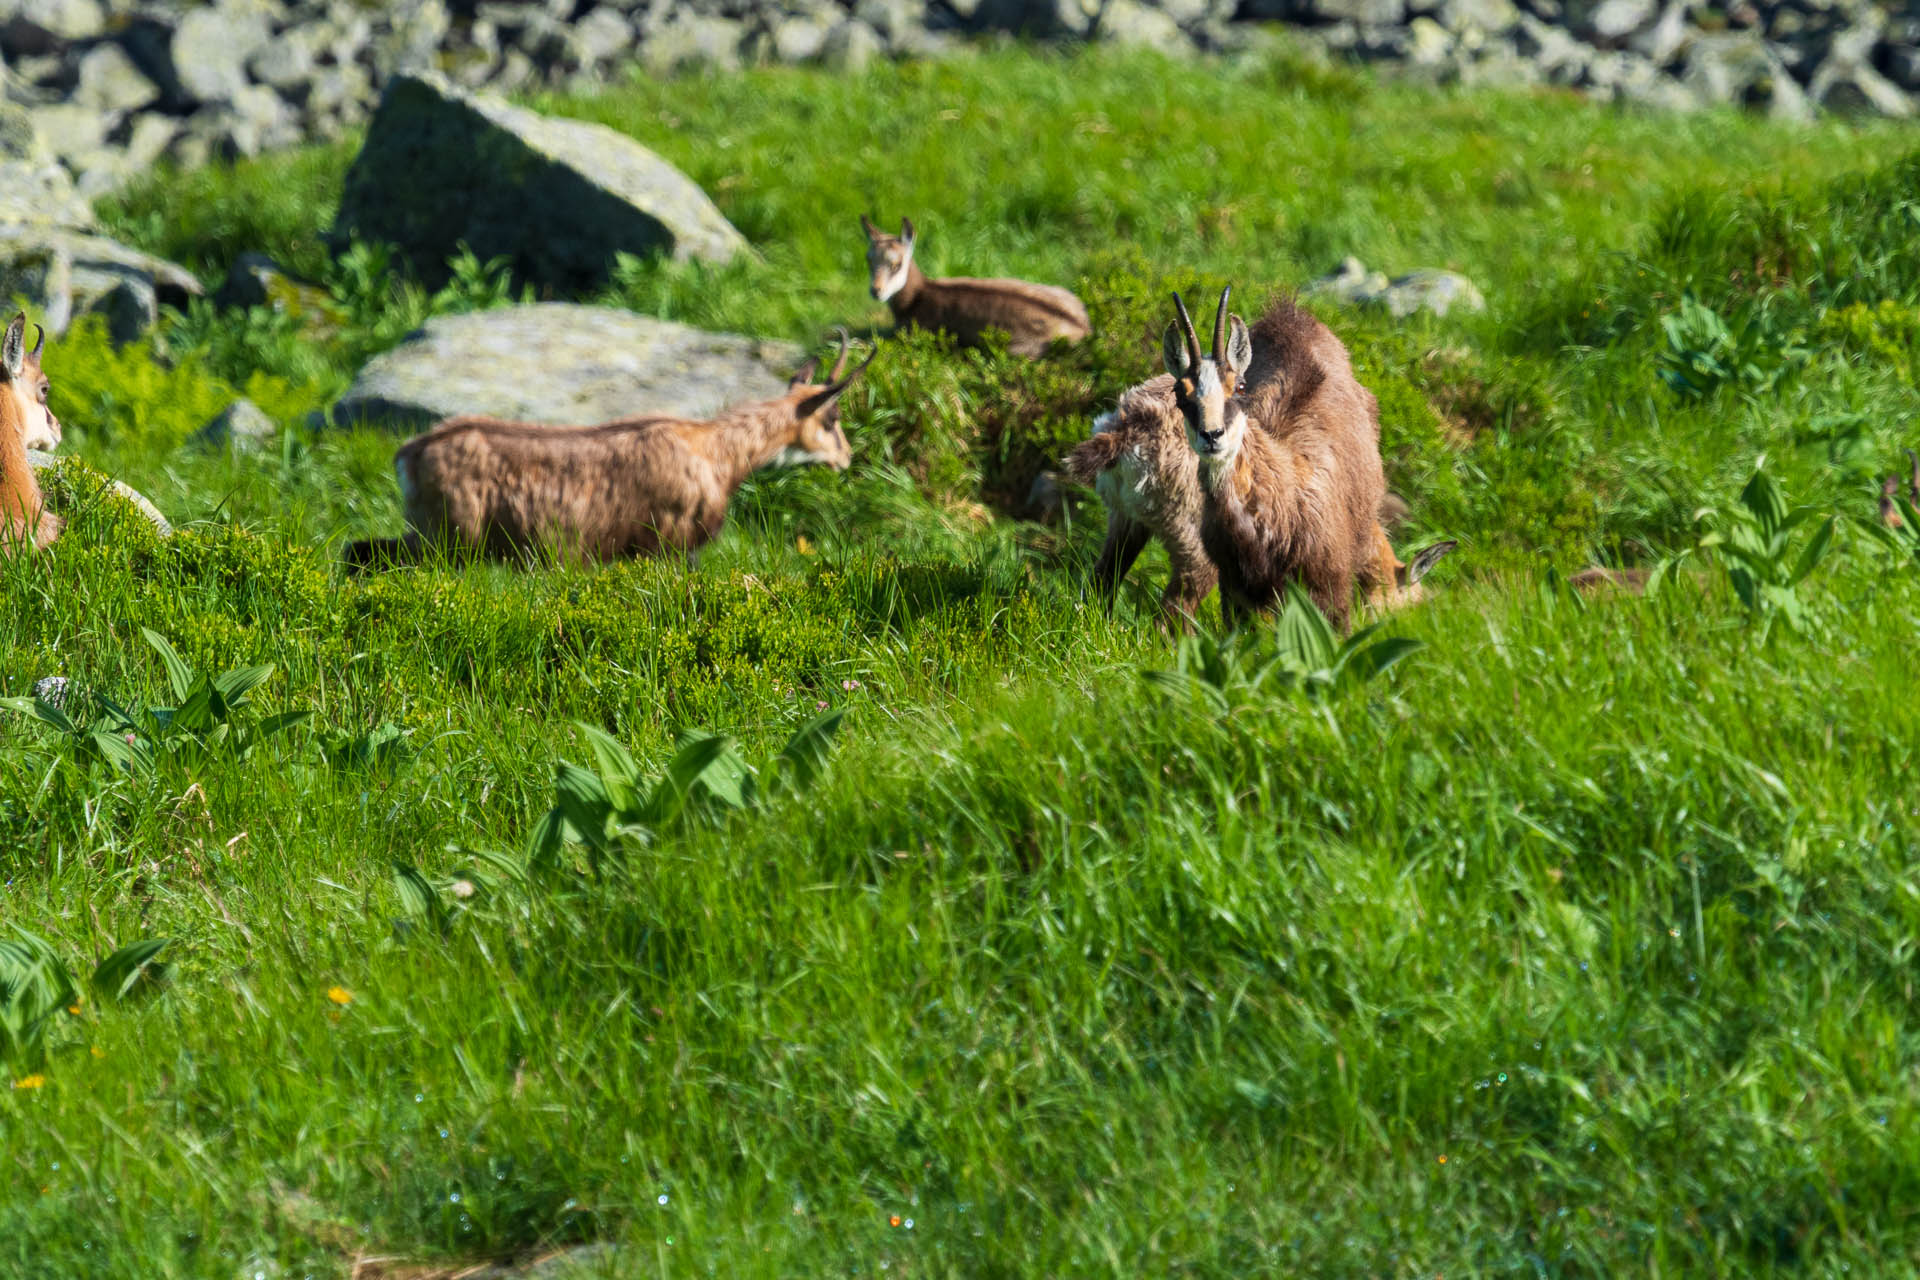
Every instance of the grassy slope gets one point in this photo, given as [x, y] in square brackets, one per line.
[1610, 907]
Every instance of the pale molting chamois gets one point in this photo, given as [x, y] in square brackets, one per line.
[1032, 315]
[1139, 461]
[1297, 497]
[633, 487]
[24, 421]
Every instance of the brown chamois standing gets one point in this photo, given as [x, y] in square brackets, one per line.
[633, 487]
[24, 418]
[1138, 460]
[1296, 499]
[1032, 315]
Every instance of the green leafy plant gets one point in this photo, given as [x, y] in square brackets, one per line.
[1299, 656]
[1704, 353]
[36, 986]
[212, 719]
[475, 285]
[620, 807]
[381, 748]
[1766, 561]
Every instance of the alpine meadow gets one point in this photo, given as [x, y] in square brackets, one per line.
[868, 898]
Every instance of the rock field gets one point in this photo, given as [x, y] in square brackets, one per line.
[115, 84]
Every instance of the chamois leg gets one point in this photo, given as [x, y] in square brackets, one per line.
[1126, 539]
[1192, 578]
[382, 553]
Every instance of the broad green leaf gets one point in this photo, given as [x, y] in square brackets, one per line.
[1369, 662]
[802, 761]
[1304, 633]
[235, 685]
[1813, 552]
[670, 793]
[179, 674]
[583, 801]
[418, 898]
[131, 966]
[113, 747]
[546, 841]
[617, 769]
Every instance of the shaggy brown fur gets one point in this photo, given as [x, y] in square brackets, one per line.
[1296, 498]
[1140, 463]
[1033, 315]
[634, 487]
[24, 418]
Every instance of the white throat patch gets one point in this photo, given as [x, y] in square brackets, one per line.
[895, 282]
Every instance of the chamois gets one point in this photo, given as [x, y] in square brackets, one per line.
[632, 487]
[1889, 511]
[1032, 315]
[1139, 462]
[24, 518]
[1297, 498]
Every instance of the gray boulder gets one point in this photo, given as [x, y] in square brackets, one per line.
[41, 26]
[1130, 22]
[34, 188]
[65, 273]
[211, 47]
[1439, 292]
[560, 363]
[559, 197]
[109, 81]
[241, 427]
[43, 461]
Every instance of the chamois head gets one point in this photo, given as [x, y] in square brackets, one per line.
[1203, 386]
[20, 369]
[888, 257]
[817, 436]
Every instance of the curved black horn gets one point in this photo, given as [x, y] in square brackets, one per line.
[1220, 326]
[1186, 329]
[846, 343]
[40, 340]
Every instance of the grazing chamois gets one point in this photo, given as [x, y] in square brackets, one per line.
[1297, 498]
[1032, 315]
[633, 487]
[24, 518]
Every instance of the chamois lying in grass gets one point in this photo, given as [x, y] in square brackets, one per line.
[1139, 461]
[633, 487]
[1032, 315]
[24, 422]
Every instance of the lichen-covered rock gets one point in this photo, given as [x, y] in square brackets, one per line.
[1439, 292]
[558, 197]
[64, 273]
[241, 427]
[562, 363]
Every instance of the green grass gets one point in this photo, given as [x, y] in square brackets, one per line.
[1579, 943]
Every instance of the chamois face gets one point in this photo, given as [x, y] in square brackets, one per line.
[1203, 386]
[28, 386]
[888, 258]
[817, 437]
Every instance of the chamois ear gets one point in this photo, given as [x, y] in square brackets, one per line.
[1239, 353]
[866, 225]
[1173, 349]
[13, 347]
[1427, 557]
[906, 231]
[804, 374]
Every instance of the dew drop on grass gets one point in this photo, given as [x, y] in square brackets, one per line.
[453, 1197]
[419, 1097]
[663, 1198]
[908, 1224]
[443, 1133]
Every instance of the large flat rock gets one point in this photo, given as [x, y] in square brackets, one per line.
[560, 363]
[442, 166]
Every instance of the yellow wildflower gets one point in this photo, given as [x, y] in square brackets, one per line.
[339, 995]
[29, 1082]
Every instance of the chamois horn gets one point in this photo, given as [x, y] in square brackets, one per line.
[1220, 326]
[1186, 329]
